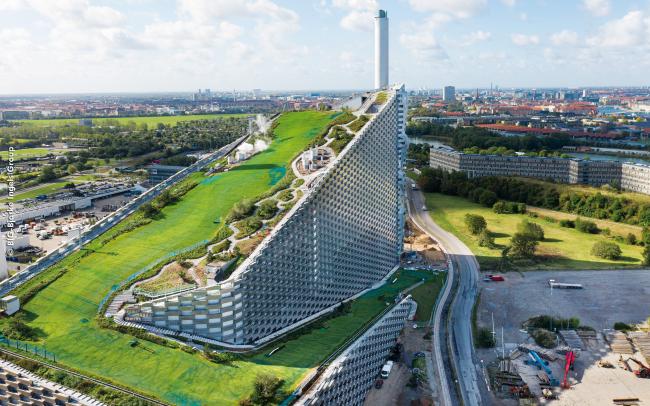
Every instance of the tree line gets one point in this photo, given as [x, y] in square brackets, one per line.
[475, 137]
[488, 190]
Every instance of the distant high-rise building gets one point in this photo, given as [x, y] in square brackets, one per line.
[449, 94]
[381, 49]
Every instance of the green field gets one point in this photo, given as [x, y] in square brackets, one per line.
[41, 190]
[426, 295]
[65, 311]
[563, 248]
[31, 153]
[149, 120]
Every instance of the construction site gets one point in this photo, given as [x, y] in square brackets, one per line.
[559, 347]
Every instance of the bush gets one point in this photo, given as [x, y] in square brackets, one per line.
[503, 207]
[487, 198]
[222, 233]
[149, 211]
[266, 391]
[475, 223]
[586, 226]
[486, 239]
[485, 338]
[224, 358]
[606, 250]
[358, 124]
[646, 255]
[241, 210]
[552, 323]
[630, 239]
[523, 246]
[568, 223]
[620, 326]
[222, 246]
[285, 195]
[544, 338]
[248, 226]
[531, 229]
[16, 329]
[267, 209]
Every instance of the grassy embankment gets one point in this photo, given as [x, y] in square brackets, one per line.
[65, 310]
[31, 153]
[563, 248]
[149, 120]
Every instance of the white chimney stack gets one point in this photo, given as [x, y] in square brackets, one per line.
[381, 49]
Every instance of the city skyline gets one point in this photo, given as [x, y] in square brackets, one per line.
[86, 46]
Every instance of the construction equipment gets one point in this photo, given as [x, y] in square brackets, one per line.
[569, 360]
[643, 371]
[543, 365]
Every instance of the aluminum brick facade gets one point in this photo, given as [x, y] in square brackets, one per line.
[343, 236]
[351, 375]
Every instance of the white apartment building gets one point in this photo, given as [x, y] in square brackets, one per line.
[563, 170]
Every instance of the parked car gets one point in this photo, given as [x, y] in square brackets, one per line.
[379, 383]
[385, 370]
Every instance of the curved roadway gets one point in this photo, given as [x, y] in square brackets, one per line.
[464, 266]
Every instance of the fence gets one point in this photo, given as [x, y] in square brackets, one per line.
[164, 292]
[109, 221]
[148, 268]
[29, 348]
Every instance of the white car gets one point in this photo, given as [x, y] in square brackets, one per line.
[424, 208]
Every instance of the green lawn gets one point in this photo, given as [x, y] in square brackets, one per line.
[322, 341]
[30, 153]
[563, 248]
[66, 309]
[425, 295]
[42, 190]
[149, 120]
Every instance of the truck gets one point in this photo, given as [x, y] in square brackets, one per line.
[558, 285]
[385, 370]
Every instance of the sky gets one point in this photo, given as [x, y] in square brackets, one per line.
[72, 46]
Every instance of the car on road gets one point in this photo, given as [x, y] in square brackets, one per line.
[424, 208]
[379, 383]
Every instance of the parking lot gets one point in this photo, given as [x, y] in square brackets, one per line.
[100, 208]
[607, 297]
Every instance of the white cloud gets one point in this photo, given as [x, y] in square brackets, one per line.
[598, 8]
[453, 8]
[188, 34]
[443, 11]
[564, 37]
[633, 29]
[424, 46]
[358, 21]
[476, 36]
[524, 40]
[523, 17]
[509, 3]
[360, 14]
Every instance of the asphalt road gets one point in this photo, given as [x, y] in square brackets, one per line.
[471, 380]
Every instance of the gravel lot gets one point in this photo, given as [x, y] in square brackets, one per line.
[607, 297]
